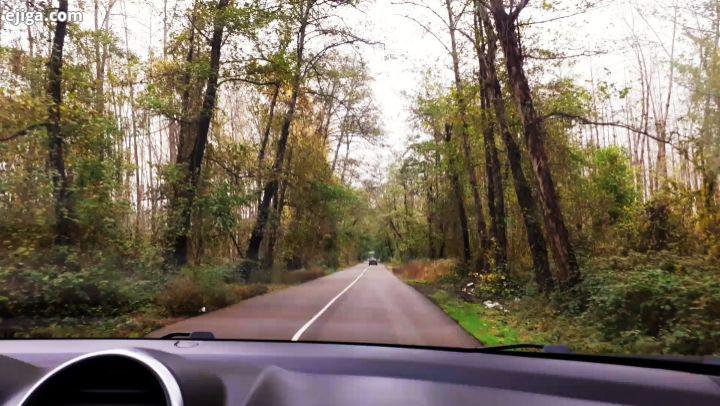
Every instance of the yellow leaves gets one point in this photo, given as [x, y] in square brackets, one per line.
[19, 111]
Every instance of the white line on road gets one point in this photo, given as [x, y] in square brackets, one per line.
[327, 306]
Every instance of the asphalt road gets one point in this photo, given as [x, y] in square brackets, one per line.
[362, 304]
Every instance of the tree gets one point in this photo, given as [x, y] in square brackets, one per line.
[61, 184]
[305, 15]
[460, 96]
[194, 138]
[535, 135]
[526, 201]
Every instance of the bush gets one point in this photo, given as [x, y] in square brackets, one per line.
[53, 291]
[242, 292]
[207, 287]
[182, 296]
[645, 301]
[302, 275]
[668, 304]
[489, 286]
[427, 271]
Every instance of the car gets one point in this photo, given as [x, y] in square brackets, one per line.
[372, 261]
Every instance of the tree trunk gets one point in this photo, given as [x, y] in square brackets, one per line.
[535, 134]
[495, 193]
[192, 148]
[347, 158]
[61, 192]
[337, 150]
[264, 140]
[460, 199]
[273, 228]
[528, 208]
[133, 122]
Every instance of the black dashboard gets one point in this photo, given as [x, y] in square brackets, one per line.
[216, 372]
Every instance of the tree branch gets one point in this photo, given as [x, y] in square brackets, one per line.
[23, 131]
[587, 121]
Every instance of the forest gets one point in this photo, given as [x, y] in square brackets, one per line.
[233, 152]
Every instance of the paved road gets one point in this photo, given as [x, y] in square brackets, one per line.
[365, 304]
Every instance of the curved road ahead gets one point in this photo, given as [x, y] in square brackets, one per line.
[363, 304]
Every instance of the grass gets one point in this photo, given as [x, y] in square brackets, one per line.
[489, 326]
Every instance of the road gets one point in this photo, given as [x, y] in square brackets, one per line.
[362, 304]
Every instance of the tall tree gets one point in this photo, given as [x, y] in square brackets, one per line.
[523, 192]
[307, 17]
[56, 138]
[191, 148]
[535, 135]
[270, 189]
[459, 197]
[452, 24]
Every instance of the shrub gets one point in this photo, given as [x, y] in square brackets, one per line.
[54, 291]
[207, 287]
[660, 304]
[243, 292]
[489, 286]
[427, 271]
[645, 301]
[302, 275]
[182, 296]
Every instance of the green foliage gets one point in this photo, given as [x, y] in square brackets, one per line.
[612, 179]
[53, 291]
[668, 222]
[490, 286]
[658, 303]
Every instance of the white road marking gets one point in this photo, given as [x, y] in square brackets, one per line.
[327, 306]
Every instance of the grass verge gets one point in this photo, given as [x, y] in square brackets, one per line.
[491, 326]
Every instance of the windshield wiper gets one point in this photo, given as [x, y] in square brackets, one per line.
[554, 349]
[194, 335]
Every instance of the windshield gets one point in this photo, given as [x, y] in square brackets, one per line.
[442, 173]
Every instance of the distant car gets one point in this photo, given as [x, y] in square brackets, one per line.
[372, 261]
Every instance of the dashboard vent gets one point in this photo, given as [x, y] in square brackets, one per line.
[108, 379]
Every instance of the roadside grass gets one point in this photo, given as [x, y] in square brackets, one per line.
[489, 326]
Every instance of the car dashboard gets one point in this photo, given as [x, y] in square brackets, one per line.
[219, 372]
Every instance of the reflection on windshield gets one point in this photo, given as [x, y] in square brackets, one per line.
[543, 172]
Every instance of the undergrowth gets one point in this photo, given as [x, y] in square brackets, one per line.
[655, 303]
